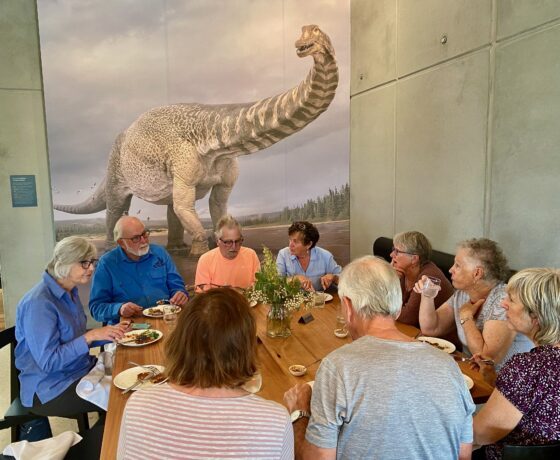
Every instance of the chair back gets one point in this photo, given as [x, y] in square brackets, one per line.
[546, 452]
[8, 338]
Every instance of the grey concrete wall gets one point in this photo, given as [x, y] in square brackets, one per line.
[27, 233]
[454, 124]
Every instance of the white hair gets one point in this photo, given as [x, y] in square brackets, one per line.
[373, 287]
[120, 224]
[66, 253]
[227, 221]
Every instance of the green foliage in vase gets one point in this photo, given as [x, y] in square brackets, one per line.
[274, 289]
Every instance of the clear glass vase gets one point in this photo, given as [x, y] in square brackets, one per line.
[278, 321]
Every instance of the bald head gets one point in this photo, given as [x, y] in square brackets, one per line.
[127, 227]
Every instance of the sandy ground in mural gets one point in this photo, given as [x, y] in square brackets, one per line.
[335, 237]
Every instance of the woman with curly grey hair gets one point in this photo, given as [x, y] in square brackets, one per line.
[52, 352]
[478, 275]
[523, 408]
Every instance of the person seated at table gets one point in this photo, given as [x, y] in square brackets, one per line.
[410, 258]
[133, 276]
[203, 409]
[385, 395]
[52, 353]
[478, 274]
[524, 407]
[315, 267]
[230, 264]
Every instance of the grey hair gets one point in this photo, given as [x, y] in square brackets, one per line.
[118, 230]
[538, 290]
[488, 254]
[66, 253]
[415, 243]
[227, 221]
[373, 286]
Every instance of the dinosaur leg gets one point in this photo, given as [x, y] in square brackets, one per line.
[183, 204]
[228, 170]
[175, 232]
[117, 205]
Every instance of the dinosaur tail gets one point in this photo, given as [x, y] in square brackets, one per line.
[94, 203]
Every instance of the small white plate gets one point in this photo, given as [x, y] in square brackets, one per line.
[297, 369]
[253, 385]
[438, 343]
[253, 303]
[151, 312]
[328, 297]
[468, 381]
[127, 377]
[130, 334]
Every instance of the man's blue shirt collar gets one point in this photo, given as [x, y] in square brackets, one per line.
[125, 258]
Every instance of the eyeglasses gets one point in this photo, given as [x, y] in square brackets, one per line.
[230, 243]
[136, 238]
[398, 251]
[87, 263]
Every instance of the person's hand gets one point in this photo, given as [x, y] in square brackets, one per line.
[298, 398]
[129, 309]
[179, 298]
[305, 283]
[327, 280]
[486, 368]
[400, 271]
[112, 333]
[419, 286]
[470, 309]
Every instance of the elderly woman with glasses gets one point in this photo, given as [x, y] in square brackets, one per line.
[203, 410]
[524, 407]
[315, 267]
[52, 353]
[410, 258]
[478, 274]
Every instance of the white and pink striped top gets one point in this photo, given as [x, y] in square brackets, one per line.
[163, 423]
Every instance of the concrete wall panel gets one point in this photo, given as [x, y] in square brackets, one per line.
[518, 15]
[441, 151]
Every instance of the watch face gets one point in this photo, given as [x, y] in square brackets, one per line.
[295, 415]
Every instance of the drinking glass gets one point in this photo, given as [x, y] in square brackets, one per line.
[108, 361]
[431, 287]
[319, 299]
[170, 316]
[341, 327]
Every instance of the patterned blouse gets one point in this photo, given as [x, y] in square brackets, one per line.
[531, 382]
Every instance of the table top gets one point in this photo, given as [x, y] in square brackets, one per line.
[308, 344]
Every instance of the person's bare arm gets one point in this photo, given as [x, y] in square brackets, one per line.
[465, 451]
[497, 419]
[492, 342]
[433, 322]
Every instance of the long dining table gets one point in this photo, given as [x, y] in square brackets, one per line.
[308, 344]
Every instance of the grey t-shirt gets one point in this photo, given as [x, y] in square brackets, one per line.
[491, 310]
[385, 399]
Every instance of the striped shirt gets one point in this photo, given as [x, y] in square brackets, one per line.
[161, 422]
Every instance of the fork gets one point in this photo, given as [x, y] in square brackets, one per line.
[464, 359]
[153, 369]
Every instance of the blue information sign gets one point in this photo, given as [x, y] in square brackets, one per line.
[24, 191]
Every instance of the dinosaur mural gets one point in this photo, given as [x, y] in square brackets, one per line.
[176, 154]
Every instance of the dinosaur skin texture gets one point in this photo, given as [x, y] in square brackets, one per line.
[176, 154]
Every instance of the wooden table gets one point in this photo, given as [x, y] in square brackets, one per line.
[308, 344]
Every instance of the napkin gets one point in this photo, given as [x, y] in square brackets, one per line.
[48, 449]
[95, 386]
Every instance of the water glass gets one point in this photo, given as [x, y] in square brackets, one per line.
[341, 327]
[108, 361]
[319, 299]
[170, 317]
[431, 287]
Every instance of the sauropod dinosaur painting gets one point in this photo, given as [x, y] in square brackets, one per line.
[177, 154]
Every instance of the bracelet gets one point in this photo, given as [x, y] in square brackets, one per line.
[464, 320]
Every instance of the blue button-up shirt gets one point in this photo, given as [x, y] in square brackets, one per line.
[119, 279]
[321, 262]
[52, 352]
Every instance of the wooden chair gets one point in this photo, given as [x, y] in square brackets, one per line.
[546, 452]
[16, 414]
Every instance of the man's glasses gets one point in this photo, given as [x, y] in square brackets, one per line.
[87, 263]
[136, 238]
[230, 243]
[398, 251]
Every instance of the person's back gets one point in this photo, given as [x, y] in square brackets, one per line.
[396, 400]
[162, 422]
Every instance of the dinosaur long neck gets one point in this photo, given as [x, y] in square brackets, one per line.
[256, 126]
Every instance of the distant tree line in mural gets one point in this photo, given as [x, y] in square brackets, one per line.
[334, 205]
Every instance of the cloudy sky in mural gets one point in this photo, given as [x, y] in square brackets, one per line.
[105, 63]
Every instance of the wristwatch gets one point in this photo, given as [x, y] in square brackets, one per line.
[464, 320]
[297, 414]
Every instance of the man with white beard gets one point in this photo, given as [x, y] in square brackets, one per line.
[134, 275]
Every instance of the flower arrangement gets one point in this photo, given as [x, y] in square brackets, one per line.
[272, 288]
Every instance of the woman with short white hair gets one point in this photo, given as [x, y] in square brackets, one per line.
[52, 353]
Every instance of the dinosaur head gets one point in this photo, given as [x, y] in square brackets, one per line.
[313, 41]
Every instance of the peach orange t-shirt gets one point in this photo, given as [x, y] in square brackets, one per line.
[213, 268]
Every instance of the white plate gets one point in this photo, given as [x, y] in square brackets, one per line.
[253, 303]
[253, 385]
[328, 297]
[138, 332]
[468, 381]
[147, 311]
[128, 377]
[438, 343]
